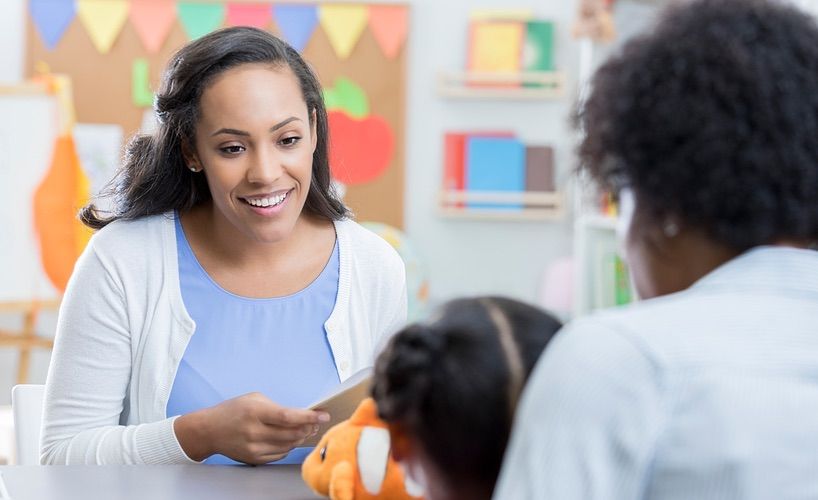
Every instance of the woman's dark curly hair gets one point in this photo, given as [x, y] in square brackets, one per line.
[453, 383]
[154, 177]
[712, 118]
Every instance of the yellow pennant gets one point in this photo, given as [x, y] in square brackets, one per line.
[103, 20]
[343, 24]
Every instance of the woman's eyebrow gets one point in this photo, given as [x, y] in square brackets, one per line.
[233, 131]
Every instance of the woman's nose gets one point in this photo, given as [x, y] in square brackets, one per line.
[266, 167]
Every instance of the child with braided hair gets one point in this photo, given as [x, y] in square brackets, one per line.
[448, 389]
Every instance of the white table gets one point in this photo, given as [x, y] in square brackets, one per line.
[155, 482]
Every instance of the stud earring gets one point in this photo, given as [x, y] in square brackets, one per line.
[670, 229]
[193, 168]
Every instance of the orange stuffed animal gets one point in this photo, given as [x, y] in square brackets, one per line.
[352, 461]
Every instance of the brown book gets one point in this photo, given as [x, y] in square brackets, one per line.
[539, 168]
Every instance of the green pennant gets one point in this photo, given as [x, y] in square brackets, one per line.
[200, 18]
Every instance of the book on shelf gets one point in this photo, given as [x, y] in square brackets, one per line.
[610, 279]
[539, 168]
[495, 164]
[509, 42]
[454, 157]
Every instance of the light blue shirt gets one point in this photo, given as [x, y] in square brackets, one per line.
[276, 346]
[711, 393]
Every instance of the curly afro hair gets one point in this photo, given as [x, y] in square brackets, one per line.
[712, 117]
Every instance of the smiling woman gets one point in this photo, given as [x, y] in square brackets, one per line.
[227, 288]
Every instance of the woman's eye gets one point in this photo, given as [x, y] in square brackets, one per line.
[290, 141]
[232, 150]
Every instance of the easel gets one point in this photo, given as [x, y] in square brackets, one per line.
[26, 338]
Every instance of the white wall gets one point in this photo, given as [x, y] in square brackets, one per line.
[470, 257]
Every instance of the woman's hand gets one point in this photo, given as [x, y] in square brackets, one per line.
[250, 429]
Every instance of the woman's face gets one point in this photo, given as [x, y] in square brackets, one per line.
[255, 142]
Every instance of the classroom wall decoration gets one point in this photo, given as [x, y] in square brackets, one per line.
[114, 52]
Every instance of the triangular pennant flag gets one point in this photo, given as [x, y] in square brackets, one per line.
[103, 20]
[344, 25]
[199, 18]
[242, 14]
[51, 17]
[389, 24]
[153, 20]
[296, 23]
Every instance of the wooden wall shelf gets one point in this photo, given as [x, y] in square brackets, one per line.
[546, 205]
[529, 85]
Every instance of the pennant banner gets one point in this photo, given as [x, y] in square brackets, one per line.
[199, 19]
[389, 25]
[242, 14]
[296, 23]
[344, 25]
[51, 17]
[103, 20]
[153, 20]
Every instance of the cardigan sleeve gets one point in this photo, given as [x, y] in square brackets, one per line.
[88, 379]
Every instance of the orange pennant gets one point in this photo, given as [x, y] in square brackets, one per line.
[389, 25]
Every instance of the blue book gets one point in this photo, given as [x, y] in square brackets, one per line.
[495, 164]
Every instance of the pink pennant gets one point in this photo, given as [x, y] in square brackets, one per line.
[255, 15]
[153, 20]
[389, 24]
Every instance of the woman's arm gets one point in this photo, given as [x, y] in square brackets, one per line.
[87, 383]
[588, 421]
[87, 389]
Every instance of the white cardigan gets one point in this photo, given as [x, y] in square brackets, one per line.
[123, 329]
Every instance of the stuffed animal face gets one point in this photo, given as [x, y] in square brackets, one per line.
[352, 462]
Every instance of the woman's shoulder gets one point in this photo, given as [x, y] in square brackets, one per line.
[367, 248]
[124, 237]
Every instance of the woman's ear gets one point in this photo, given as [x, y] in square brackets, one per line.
[190, 156]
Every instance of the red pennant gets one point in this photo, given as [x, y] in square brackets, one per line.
[389, 24]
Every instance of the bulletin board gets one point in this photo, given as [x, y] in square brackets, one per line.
[102, 86]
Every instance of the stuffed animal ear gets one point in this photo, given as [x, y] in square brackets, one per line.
[366, 413]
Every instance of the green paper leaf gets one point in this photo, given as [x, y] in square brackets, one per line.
[347, 96]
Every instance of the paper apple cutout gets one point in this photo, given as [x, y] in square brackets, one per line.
[360, 149]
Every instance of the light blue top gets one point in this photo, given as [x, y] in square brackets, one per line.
[710, 393]
[275, 346]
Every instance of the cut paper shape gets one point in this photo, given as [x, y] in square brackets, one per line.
[360, 150]
[296, 23]
[389, 25]
[255, 15]
[199, 19]
[347, 96]
[51, 17]
[103, 20]
[153, 20]
[62, 192]
[140, 84]
[99, 148]
[344, 25]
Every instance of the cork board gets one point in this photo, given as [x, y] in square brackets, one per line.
[102, 93]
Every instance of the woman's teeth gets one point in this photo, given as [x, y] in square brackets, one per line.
[267, 202]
